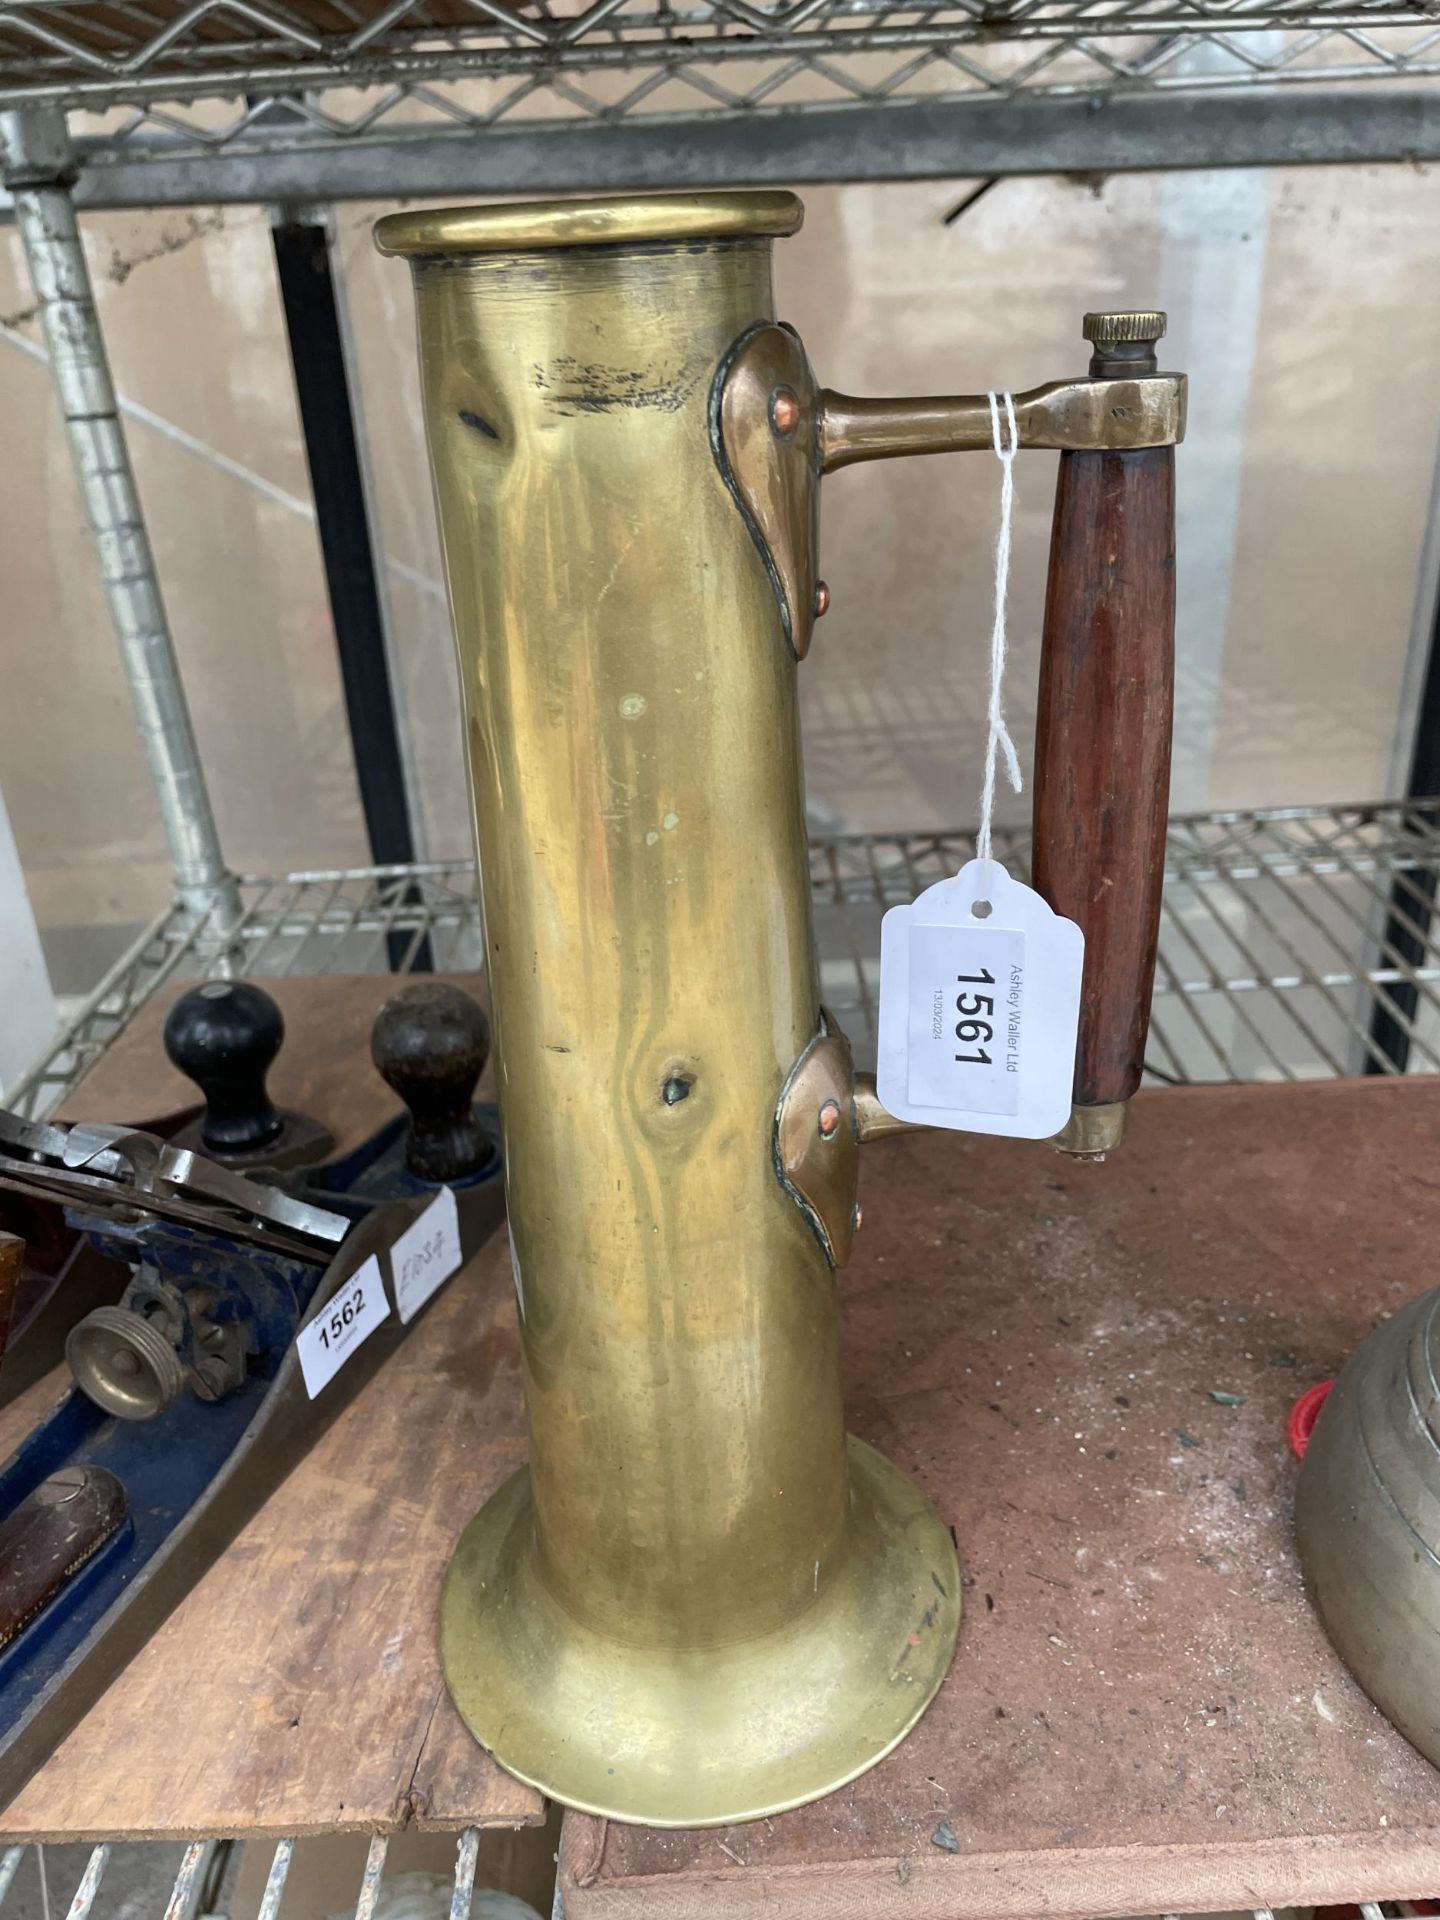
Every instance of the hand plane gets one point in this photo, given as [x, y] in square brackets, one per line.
[188, 1405]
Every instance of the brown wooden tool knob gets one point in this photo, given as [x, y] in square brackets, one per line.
[430, 1043]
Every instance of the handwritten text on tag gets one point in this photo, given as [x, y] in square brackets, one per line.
[426, 1255]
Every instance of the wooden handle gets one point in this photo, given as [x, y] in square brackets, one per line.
[12, 1261]
[1102, 746]
[51, 1534]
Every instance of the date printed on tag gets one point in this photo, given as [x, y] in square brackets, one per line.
[979, 1007]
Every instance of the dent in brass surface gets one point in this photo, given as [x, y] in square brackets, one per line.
[1064, 415]
[763, 421]
[1367, 1519]
[817, 1146]
[697, 1603]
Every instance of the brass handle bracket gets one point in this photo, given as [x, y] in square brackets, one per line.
[816, 1143]
[825, 1114]
[1063, 416]
[774, 431]
[1089, 1134]
[1123, 404]
[873, 1120]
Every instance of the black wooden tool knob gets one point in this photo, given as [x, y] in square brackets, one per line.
[430, 1043]
[225, 1037]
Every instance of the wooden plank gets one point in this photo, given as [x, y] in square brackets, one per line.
[297, 1689]
[1143, 1715]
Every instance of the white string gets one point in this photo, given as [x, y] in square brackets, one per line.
[998, 739]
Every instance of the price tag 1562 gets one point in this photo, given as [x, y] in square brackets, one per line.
[349, 1316]
[979, 1007]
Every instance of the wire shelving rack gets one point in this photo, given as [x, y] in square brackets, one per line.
[1287, 932]
[156, 80]
[1283, 930]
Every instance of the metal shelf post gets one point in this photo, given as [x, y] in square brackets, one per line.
[38, 167]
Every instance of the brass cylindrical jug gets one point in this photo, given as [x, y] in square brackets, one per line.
[699, 1602]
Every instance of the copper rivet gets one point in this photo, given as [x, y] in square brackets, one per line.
[784, 411]
[822, 600]
[829, 1119]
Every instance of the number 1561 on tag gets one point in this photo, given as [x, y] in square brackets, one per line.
[979, 1007]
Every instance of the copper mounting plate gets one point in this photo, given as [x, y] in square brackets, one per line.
[763, 423]
[817, 1141]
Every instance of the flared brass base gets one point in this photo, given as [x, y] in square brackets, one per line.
[699, 1739]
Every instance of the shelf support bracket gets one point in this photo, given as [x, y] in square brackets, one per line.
[37, 164]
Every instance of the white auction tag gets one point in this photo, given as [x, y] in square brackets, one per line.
[348, 1317]
[426, 1255]
[979, 1007]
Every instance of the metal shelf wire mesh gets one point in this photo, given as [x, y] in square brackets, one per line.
[1280, 929]
[184, 1903]
[197, 1864]
[296, 73]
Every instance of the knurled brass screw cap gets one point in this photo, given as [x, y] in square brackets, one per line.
[1110, 329]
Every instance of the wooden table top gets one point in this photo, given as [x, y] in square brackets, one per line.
[1143, 1715]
